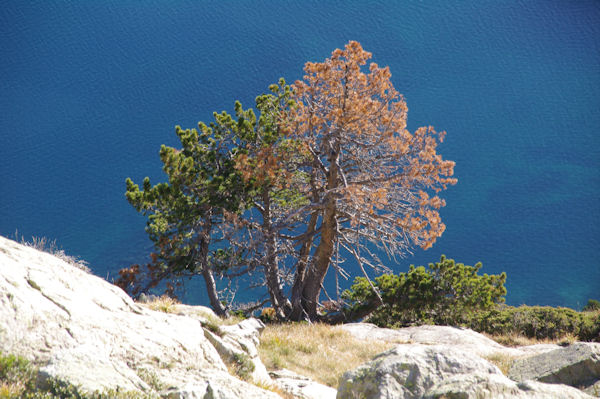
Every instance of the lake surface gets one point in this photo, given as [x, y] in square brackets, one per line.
[90, 90]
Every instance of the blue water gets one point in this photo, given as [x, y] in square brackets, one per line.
[90, 90]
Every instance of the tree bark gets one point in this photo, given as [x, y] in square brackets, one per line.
[211, 289]
[322, 258]
[207, 274]
[279, 301]
[352, 315]
[316, 273]
[298, 312]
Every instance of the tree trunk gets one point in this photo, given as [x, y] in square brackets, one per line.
[209, 279]
[298, 312]
[322, 258]
[316, 273]
[211, 289]
[279, 301]
[352, 315]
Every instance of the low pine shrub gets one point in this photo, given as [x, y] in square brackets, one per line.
[450, 293]
[445, 292]
[592, 306]
[539, 322]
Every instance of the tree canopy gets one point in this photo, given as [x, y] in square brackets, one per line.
[326, 174]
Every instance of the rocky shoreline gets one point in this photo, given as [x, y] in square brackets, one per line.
[81, 329]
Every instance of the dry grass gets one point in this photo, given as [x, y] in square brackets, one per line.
[11, 390]
[212, 322]
[163, 303]
[268, 386]
[167, 304]
[514, 340]
[49, 246]
[502, 360]
[319, 351]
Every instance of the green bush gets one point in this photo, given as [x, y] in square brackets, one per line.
[15, 370]
[449, 293]
[592, 306]
[18, 381]
[539, 322]
[443, 293]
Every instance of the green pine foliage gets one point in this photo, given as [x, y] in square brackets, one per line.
[592, 306]
[540, 322]
[450, 293]
[203, 219]
[445, 292]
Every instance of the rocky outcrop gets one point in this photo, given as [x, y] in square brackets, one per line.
[577, 365]
[238, 344]
[436, 361]
[439, 371]
[478, 386]
[301, 387]
[458, 338]
[409, 371]
[82, 329]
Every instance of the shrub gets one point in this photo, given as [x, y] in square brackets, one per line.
[444, 293]
[531, 321]
[539, 322]
[18, 381]
[17, 373]
[592, 305]
[268, 315]
[449, 293]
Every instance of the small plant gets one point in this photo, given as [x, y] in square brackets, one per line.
[33, 284]
[16, 374]
[267, 315]
[163, 303]
[213, 327]
[150, 378]
[242, 365]
[567, 340]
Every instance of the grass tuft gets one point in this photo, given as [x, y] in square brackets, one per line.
[49, 246]
[501, 360]
[241, 365]
[269, 386]
[163, 303]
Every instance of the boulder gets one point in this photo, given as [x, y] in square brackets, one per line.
[81, 329]
[476, 386]
[459, 338]
[577, 365]
[201, 313]
[411, 371]
[301, 387]
[238, 343]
